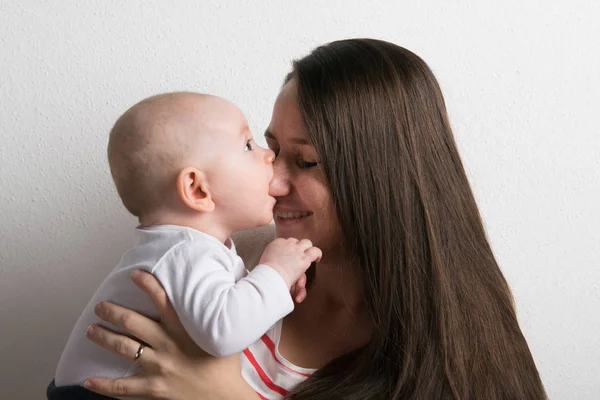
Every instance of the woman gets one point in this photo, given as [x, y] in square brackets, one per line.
[408, 301]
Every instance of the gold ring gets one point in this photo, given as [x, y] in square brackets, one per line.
[138, 354]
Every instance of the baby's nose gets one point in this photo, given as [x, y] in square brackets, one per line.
[269, 156]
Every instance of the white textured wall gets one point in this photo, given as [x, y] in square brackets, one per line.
[522, 84]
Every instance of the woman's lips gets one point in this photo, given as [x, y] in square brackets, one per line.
[289, 217]
[292, 214]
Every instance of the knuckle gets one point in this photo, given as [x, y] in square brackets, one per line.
[157, 389]
[125, 321]
[119, 388]
[121, 347]
[169, 348]
[165, 368]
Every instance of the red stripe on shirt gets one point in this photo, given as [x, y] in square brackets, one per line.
[261, 396]
[263, 375]
[271, 346]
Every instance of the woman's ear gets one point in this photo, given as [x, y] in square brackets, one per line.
[193, 190]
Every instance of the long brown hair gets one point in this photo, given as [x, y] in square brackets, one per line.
[445, 322]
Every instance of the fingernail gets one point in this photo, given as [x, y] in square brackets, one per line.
[99, 309]
[90, 330]
[87, 384]
[135, 274]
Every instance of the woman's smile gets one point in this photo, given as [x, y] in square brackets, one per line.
[290, 216]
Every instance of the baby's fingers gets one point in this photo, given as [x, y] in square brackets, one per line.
[300, 295]
[301, 282]
[314, 254]
[298, 291]
[304, 244]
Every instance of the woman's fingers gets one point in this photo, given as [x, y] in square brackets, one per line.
[123, 345]
[152, 287]
[131, 322]
[133, 386]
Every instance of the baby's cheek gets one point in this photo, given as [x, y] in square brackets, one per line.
[269, 218]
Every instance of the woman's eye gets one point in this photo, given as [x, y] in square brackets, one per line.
[306, 164]
[249, 146]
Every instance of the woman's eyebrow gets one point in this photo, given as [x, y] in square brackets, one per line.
[296, 140]
[269, 135]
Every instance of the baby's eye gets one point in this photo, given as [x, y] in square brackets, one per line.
[249, 146]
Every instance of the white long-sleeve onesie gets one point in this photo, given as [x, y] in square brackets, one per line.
[222, 307]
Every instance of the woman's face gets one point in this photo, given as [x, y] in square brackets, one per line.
[304, 207]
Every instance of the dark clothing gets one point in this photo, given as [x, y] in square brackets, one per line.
[54, 392]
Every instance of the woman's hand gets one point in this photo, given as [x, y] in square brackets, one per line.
[173, 366]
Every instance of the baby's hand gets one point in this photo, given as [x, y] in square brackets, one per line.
[298, 291]
[290, 257]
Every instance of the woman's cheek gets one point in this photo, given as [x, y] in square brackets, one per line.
[327, 230]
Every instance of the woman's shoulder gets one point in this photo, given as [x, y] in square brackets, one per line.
[250, 244]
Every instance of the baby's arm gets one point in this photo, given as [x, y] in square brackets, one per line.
[222, 316]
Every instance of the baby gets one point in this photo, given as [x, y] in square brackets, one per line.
[186, 165]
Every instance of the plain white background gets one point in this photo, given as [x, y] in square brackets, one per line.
[522, 85]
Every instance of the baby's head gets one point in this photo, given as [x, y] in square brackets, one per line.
[187, 155]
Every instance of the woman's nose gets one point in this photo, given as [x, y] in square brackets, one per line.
[280, 184]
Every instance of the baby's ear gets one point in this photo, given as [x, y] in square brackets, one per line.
[194, 191]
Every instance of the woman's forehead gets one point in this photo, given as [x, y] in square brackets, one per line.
[286, 122]
[286, 136]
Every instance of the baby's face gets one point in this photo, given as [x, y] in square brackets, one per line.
[240, 173]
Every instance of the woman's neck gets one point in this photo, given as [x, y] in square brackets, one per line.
[337, 286]
[331, 321]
